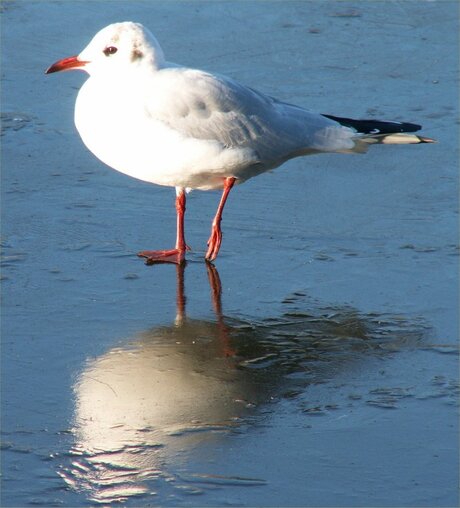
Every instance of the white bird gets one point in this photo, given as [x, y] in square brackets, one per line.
[189, 129]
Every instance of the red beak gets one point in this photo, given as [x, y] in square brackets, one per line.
[66, 64]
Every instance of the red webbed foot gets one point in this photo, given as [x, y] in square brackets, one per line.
[175, 256]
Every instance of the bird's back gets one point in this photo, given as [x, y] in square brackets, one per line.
[208, 106]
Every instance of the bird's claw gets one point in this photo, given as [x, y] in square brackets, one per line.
[213, 244]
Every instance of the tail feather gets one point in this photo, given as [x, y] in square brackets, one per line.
[378, 131]
[398, 139]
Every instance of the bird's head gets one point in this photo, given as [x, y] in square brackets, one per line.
[114, 49]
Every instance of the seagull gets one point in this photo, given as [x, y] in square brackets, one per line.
[176, 126]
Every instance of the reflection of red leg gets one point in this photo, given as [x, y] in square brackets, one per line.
[180, 293]
[216, 290]
[216, 233]
[176, 255]
[216, 295]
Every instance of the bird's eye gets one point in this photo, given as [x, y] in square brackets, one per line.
[110, 50]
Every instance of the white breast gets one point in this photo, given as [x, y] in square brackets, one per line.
[123, 135]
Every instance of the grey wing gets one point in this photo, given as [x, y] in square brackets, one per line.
[211, 107]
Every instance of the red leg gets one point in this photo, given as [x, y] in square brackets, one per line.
[180, 209]
[176, 255]
[216, 233]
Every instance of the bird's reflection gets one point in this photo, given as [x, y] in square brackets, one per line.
[142, 405]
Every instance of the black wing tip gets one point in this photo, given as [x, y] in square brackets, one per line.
[369, 126]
